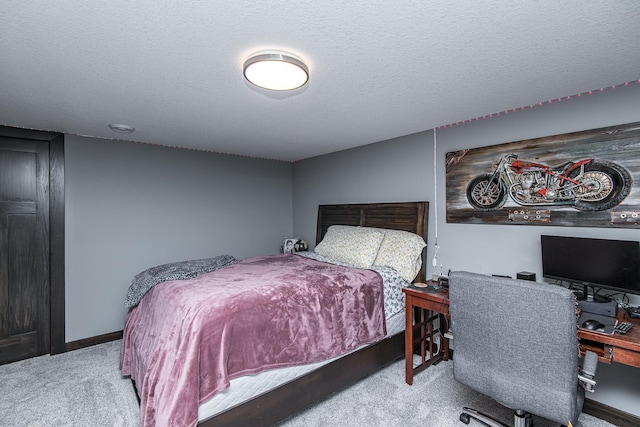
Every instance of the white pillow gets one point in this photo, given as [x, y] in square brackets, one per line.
[354, 246]
[402, 251]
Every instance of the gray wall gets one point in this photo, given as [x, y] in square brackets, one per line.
[394, 171]
[402, 170]
[131, 206]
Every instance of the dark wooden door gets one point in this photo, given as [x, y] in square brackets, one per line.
[24, 249]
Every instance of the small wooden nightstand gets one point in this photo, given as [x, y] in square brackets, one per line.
[428, 305]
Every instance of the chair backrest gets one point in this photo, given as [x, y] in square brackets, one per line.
[516, 341]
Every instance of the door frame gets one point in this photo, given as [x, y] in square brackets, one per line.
[56, 229]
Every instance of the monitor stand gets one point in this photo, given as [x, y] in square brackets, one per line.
[584, 296]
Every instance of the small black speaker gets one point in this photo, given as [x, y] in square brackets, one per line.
[526, 275]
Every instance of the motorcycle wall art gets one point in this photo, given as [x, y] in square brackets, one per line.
[583, 179]
[586, 184]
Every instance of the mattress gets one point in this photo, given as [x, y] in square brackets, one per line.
[245, 388]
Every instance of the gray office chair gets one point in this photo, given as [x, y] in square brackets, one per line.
[516, 342]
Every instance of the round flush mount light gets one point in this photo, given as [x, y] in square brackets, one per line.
[276, 70]
[119, 128]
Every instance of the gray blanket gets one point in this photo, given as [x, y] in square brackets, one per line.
[182, 270]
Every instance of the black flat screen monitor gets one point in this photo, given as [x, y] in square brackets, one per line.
[601, 263]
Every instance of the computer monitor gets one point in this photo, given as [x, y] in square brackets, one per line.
[600, 263]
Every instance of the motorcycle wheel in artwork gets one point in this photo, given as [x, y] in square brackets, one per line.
[587, 185]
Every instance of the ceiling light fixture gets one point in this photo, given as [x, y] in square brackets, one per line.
[276, 70]
[121, 128]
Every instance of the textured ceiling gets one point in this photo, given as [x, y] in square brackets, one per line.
[379, 69]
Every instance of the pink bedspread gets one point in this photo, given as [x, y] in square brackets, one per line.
[187, 338]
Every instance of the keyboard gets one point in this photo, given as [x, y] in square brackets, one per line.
[622, 327]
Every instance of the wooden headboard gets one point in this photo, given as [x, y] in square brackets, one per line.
[407, 216]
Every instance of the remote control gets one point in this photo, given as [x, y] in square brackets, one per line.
[623, 327]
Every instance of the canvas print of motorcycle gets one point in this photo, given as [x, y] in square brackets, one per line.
[587, 185]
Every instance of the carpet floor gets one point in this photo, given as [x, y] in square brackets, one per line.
[434, 400]
[78, 388]
[84, 388]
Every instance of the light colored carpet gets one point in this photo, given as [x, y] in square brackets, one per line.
[434, 400]
[84, 388]
[78, 388]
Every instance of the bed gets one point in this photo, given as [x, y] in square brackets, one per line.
[277, 395]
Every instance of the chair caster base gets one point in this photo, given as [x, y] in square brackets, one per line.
[485, 419]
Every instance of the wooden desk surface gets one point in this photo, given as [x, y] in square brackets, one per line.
[611, 348]
[621, 348]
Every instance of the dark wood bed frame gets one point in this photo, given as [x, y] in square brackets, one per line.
[294, 396]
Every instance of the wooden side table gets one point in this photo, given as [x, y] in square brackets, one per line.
[429, 306]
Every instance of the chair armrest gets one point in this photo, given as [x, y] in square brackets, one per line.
[589, 366]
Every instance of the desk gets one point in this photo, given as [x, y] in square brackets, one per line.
[428, 306]
[614, 348]
[623, 349]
